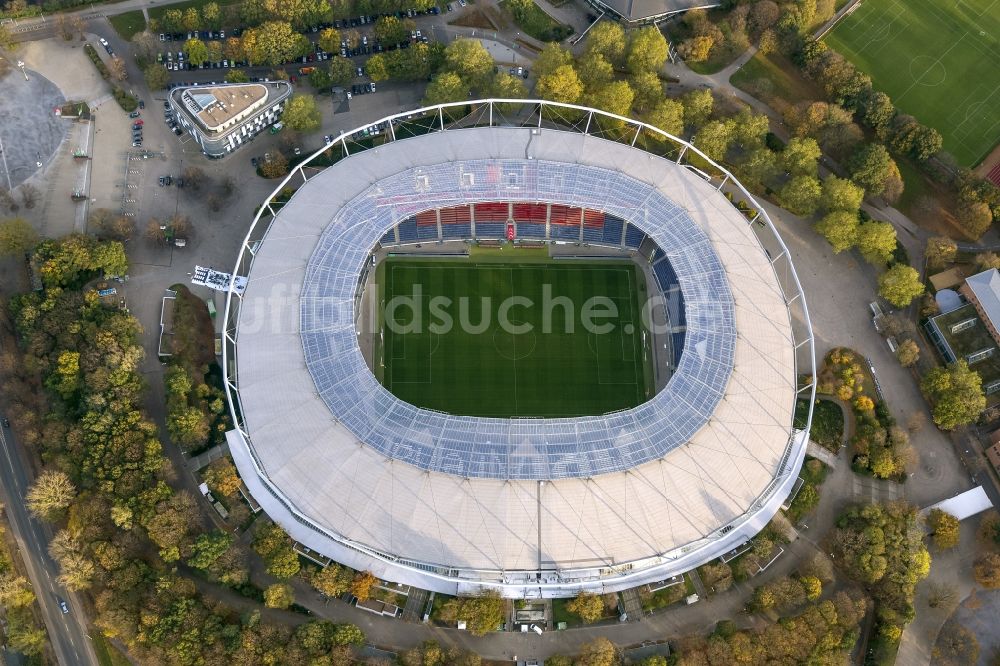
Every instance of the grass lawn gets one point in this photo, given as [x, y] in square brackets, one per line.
[108, 654]
[538, 24]
[544, 364]
[938, 62]
[827, 424]
[128, 24]
[782, 77]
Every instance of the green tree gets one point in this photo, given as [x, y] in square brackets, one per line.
[562, 85]
[668, 115]
[840, 229]
[446, 87]
[598, 652]
[172, 21]
[975, 217]
[551, 58]
[208, 548]
[697, 107]
[696, 49]
[377, 67]
[588, 606]
[713, 139]
[646, 50]
[283, 564]
[196, 51]
[301, 113]
[877, 242]
[391, 30]
[507, 86]
[749, 129]
[594, 70]
[615, 97]
[15, 591]
[957, 394]
[237, 76]
[900, 285]
[648, 91]
[944, 528]
[342, 70]
[17, 236]
[871, 167]
[483, 613]
[757, 167]
[329, 38]
[188, 426]
[348, 634]
[608, 39]
[469, 59]
[274, 43]
[50, 494]
[940, 252]
[801, 157]
[279, 595]
[801, 195]
[841, 194]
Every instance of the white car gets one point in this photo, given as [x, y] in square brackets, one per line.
[103, 41]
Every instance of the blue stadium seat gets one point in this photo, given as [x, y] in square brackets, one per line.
[458, 231]
[634, 237]
[408, 231]
[491, 230]
[531, 230]
[427, 232]
[389, 238]
[613, 230]
[565, 232]
[593, 234]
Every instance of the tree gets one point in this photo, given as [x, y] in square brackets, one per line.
[188, 426]
[608, 39]
[877, 242]
[196, 51]
[841, 194]
[391, 30]
[598, 652]
[279, 595]
[987, 570]
[801, 195]
[562, 85]
[648, 91]
[301, 113]
[208, 548]
[587, 605]
[276, 167]
[900, 285]
[233, 49]
[482, 614]
[214, 50]
[940, 251]
[469, 59]
[696, 49]
[342, 70]
[840, 229]
[237, 76]
[332, 580]
[697, 107]
[551, 58]
[668, 115]
[222, 478]
[646, 50]
[50, 494]
[801, 157]
[506, 86]
[329, 38]
[975, 217]
[615, 97]
[594, 70]
[749, 129]
[274, 43]
[348, 634]
[446, 87]
[172, 20]
[987, 260]
[361, 586]
[117, 68]
[871, 167]
[757, 167]
[956, 392]
[16, 236]
[146, 45]
[29, 195]
[157, 78]
[944, 528]
[713, 139]
[15, 591]
[211, 15]
[908, 353]
[956, 646]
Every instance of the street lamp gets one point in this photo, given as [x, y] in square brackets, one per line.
[20, 63]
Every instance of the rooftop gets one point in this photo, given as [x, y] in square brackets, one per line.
[638, 10]
[214, 106]
[986, 287]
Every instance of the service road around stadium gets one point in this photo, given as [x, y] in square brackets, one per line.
[526, 507]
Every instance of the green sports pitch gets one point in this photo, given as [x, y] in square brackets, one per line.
[939, 60]
[477, 366]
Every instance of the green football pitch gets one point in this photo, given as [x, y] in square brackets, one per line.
[478, 367]
[939, 60]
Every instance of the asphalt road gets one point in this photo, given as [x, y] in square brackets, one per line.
[67, 631]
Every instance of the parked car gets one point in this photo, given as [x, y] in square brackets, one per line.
[63, 606]
[142, 105]
[134, 114]
[6, 423]
[371, 86]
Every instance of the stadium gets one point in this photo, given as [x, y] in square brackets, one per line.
[612, 400]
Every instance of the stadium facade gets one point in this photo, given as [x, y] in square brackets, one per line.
[527, 507]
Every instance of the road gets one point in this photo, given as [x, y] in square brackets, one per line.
[67, 632]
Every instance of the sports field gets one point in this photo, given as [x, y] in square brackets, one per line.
[939, 60]
[479, 353]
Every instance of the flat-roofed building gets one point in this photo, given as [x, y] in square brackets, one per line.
[223, 117]
[983, 291]
[639, 12]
